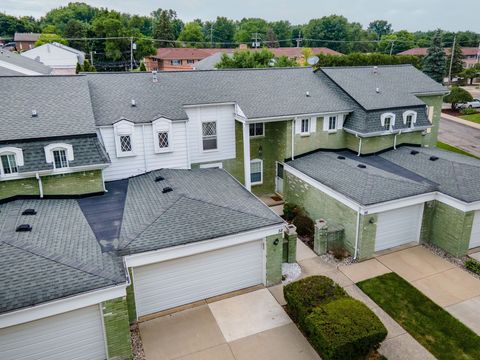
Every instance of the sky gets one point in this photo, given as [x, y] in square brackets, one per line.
[411, 15]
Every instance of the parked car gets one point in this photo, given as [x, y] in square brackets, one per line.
[475, 103]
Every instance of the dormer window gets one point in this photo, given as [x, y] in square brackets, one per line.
[125, 143]
[162, 135]
[124, 138]
[60, 158]
[59, 155]
[409, 121]
[10, 159]
[409, 118]
[388, 121]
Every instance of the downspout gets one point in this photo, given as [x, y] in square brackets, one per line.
[357, 234]
[293, 139]
[359, 145]
[144, 148]
[395, 140]
[103, 181]
[189, 165]
[40, 185]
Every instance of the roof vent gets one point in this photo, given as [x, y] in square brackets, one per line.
[307, 93]
[23, 228]
[154, 76]
[34, 113]
[29, 212]
[340, 157]
[159, 178]
[433, 158]
[361, 166]
[133, 103]
[414, 152]
[375, 69]
[377, 90]
[166, 190]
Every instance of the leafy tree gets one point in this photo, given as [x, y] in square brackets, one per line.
[78, 68]
[371, 59]
[165, 27]
[247, 27]
[76, 29]
[327, 28]
[457, 61]
[434, 63]
[397, 42]
[50, 38]
[253, 59]
[380, 28]
[283, 31]
[456, 96]
[60, 17]
[271, 39]
[142, 66]
[471, 73]
[223, 31]
[192, 33]
[285, 61]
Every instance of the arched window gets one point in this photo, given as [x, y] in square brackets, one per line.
[409, 118]
[10, 159]
[124, 138]
[162, 135]
[59, 154]
[388, 121]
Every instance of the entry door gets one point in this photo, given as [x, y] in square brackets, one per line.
[279, 178]
[475, 237]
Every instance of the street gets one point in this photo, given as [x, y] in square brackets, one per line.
[461, 136]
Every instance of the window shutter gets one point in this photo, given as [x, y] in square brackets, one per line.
[298, 126]
[313, 124]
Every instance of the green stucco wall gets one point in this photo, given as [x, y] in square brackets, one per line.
[117, 329]
[378, 143]
[366, 236]
[274, 244]
[435, 101]
[131, 307]
[78, 183]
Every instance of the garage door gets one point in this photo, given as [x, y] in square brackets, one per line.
[475, 237]
[181, 281]
[398, 227]
[75, 335]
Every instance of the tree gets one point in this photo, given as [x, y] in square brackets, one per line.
[192, 33]
[380, 28]
[164, 27]
[318, 31]
[471, 73]
[397, 42]
[254, 59]
[248, 27]
[142, 66]
[271, 40]
[78, 68]
[457, 61]
[50, 38]
[371, 59]
[283, 31]
[456, 96]
[434, 63]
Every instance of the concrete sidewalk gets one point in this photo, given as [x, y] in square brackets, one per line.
[461, 121]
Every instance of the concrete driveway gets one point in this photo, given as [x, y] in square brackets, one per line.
[452, 288]
[247, 326]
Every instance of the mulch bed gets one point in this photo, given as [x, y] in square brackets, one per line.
[137, 347]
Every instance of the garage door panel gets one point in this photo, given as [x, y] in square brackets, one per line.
[398, 227]
[180, 281]
[76, 335]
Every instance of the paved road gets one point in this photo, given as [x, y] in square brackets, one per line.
[461, 136]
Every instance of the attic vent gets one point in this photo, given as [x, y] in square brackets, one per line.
[166, 190]
[414, 152]
[433, 158]
[29, 212]
[307, 93]
[133, 103]
[375, 69]
[377, 90]
[361, 166]
[159, 178]
[340, 157]
[23, 228]
[34, 113]
[154, 76]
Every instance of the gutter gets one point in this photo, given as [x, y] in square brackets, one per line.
[381, 133]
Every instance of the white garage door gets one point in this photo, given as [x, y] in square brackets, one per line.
[398, 227]
[475, 237]
[181, 281]
[75, 335]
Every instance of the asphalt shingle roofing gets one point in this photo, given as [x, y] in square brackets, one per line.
[397, 85]
[259, 93]
[62, 104]
[22, 62]
[394, 174]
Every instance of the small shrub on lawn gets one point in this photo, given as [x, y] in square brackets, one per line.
[305, 225]
[303, 295]
[468, 111]
[473, 266]
[344, 329]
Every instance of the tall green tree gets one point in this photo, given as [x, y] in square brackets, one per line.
[223, 31]
[254, 59]
[380, 28]
[397, 42]
[434, 64]
[271, 40]
[456, 60]
[283, 31]
[164, 27]
[247, 27]
[192, 34]
[328, 31]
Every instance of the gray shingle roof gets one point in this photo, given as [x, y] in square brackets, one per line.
[87, 150]
[23, 62]
[62, 103]
[365, 186]
[259, 93]
[397, 84]
[60, 257]
[210, 62]
[210, 201]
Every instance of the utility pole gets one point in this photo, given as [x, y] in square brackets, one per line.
[478, 53]
[451, 60]
[391, 48]
[91, 57]
[255, 38]
[211, 35]
[131, 53]
[299, 39]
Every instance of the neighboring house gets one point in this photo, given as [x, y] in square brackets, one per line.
[12, 64]
[61, 58]
[471, 55]
[78, 271]
[25, 41]
[171, 59]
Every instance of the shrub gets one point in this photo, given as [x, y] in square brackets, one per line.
[344, 329]
[304, 295]
[468, 111]
[473, 266]
[305, 225]
[290, 211]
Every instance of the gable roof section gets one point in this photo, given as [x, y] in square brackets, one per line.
[15, 64]
[31, 37]
[62, 103]
[398, 85]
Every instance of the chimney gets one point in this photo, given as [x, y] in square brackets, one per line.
[154, 76]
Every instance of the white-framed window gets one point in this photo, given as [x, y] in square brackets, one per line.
[209, 135]
[430, 113]
[125, 143]
[332, 123]
[60, 160]
[9, 164]
[305, 126]
[409, 118]
[162, 138]
[190, 61]
[256, 172]
[162, 135]
[124, 138]
[387, 121]
[176, 62]
[257, 129]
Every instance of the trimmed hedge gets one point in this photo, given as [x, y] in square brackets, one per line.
[344, 329]
[473, 266]
[304, 295]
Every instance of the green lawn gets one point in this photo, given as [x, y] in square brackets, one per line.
[438, 331]
[448, 147]
[474, 117]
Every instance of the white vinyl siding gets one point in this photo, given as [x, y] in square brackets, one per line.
[398, 227]
[75, 335]
[146, 159]
[475, 236]
[185, 280]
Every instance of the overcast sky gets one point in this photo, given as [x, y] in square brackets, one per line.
[403, 14]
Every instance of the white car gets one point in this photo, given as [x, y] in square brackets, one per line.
[475, 103]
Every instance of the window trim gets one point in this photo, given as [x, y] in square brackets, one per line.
[176, 62]
[124, 128]
[202, 136]
[129, 143]
[18, 153]
[159, 126]
[2, 168]
[392, 121]
[308, 120]
[255, 127]
[49, 157]
[260, 161]
[411, 113]
[66, 159]
[335, 117]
